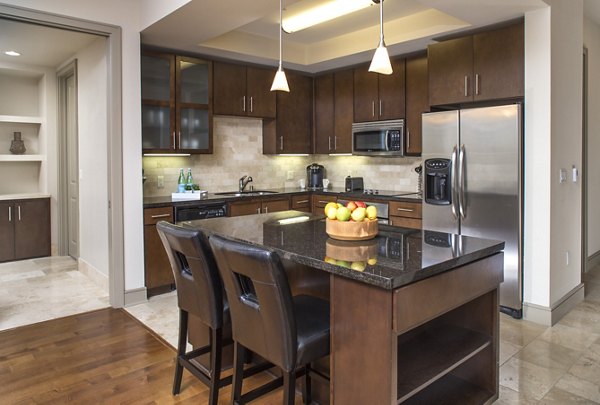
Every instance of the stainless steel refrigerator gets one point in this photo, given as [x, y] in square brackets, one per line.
[472, 160]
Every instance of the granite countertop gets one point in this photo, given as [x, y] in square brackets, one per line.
[23, 196]
[383, 195]
[396, 257]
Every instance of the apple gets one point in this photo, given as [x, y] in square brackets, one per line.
[372, 261]
[351, 205]
[330, 260]
[342, 263]
[329, 204]
[331, 212]
[372, 212]
[360, 204]
[358, 266]
[359, 214]
[343, 214]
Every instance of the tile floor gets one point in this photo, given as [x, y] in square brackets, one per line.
[538, 365]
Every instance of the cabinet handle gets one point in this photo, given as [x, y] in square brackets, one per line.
[258, 210]
[179, 139]
[373, 108]
[405, 209]
[19, 212]
[174, 146]
[380, 108]
[251, 104]
[466, 86]
[301, 202]
[161, 216]
[9, 214]
[329, 143]
[335, 142]
[244, 103]
[477, 84]
[407, 139]
[266, 209]
[324, 202]
[281, 141]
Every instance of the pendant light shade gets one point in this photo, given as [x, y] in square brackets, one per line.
[381, 59]
[280, 81]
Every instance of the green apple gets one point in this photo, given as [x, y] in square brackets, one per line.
[358, 266]
[343, 214]
[331, 212]
[342, 263]
[359, 214]
[372, 212]
[329, 204]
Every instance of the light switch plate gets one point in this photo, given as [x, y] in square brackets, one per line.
[290, 175]
[562, 176]
[160, 181]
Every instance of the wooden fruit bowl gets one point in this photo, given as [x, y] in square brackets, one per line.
[342, 230]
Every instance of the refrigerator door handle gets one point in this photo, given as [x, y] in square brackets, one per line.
[454, 195]
[461, 181]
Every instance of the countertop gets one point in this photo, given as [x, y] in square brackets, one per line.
[383, 195]
[6, 197]
[398, 256]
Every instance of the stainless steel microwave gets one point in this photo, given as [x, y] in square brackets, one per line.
[378, 138]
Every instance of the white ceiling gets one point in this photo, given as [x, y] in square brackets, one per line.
[39, 45]
[248, 31]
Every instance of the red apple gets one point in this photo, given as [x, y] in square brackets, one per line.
[351, 205]
[360, 204]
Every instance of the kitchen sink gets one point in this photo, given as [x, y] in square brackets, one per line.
[246, 192]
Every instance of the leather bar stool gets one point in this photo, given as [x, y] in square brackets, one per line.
[289, 332]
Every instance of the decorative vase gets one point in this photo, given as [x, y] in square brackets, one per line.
[17, 146]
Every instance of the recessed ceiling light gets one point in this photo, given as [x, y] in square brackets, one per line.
[299, 18]
[12, 53]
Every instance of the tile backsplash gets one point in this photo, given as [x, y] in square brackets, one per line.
[237, 151]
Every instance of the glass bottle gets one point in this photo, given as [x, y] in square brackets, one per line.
[181, 182]
[190, 180]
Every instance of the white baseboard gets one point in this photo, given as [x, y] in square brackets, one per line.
[99, 278]
[593, 261]
[549, 316]
[135, 296]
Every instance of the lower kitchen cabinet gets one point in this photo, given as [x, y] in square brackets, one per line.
[24, 229]
[319, 201]
[406, 214]
[239, 208]
[300, 203]
[158, 273]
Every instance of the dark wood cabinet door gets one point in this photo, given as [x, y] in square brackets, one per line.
[260, 100]
[450, 71]
[158, 272]
[7, 231]
[32, 228]
[344, 111]
[229, 84]
[275, 205]
[391, 104]
[499, 63]
[417, 102]
[324, 114]
[239, 208]
[294, 115]
[366, 94]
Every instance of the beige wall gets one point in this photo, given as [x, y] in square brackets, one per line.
[238, 152]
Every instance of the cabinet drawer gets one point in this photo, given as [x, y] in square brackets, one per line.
[414, 223]
[320, 200]
[405, 209]
[238, 208]
[153, 215]
[300, 201]
[275, 206]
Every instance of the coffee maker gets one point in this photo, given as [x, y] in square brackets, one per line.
[314, 176]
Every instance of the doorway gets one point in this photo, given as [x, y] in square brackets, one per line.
[68, 178]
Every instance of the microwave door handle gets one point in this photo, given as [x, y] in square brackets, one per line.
[388, 135]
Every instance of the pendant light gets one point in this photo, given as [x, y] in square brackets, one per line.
[381, 59]
[280, 81]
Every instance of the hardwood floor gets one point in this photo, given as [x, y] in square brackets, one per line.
[104, 356]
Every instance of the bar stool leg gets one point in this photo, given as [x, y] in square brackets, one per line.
[307, 386]
[289, 387]
[215, 365]
[181, 347]
[238, 373]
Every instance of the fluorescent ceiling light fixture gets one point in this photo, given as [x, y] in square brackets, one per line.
[294, 220]
[340, 154]
[167, 154]
[293, 154]
[280, 81]
[381, 59]
[324, 11]
[12, 53]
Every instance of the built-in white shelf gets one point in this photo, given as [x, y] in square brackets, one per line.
[21, 158]
[22, 119]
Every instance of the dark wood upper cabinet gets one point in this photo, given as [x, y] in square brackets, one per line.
[24, 229]
[417, 102]
[379, 97]
[176, 107]
[483, 66]
[243, 91]
[333, 105]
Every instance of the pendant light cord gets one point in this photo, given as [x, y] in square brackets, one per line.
[280, 32]
[381, 41]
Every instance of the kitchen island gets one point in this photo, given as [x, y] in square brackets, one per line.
[414, 314]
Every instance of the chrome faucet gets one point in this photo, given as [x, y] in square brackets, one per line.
[244, 180]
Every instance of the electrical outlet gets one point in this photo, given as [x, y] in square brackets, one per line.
[290, 175]
[562, 175]
[160, 181]
[567, 258]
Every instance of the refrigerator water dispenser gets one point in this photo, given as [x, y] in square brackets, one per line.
[438, 181]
